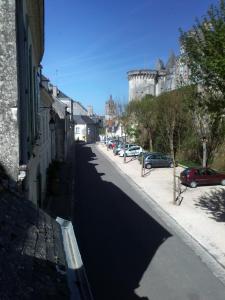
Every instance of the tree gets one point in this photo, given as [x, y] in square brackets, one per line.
[204, 47]
[126, 123]
[172, 120]
[209, 126]
[144, 113]
[205, 124]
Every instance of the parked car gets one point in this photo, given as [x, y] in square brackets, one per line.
[158, 160]
[145, 154]
[111, 143]
[131, 151]
[117, 149]
[201, 176]
[120, 147]
[114, 144]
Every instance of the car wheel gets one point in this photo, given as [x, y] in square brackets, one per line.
[223, 182]
[171, 165]
[148, 166]
[193, 184]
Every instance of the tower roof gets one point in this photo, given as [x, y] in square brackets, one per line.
[171, 61]
[159, 65]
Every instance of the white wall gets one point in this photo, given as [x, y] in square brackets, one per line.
[80, 132]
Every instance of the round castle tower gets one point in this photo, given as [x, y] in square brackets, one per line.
[141, 83]
[152, 82]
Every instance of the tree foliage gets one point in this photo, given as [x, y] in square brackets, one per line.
[204, 47]
[173, 118]
[144, 114]
[174, 122]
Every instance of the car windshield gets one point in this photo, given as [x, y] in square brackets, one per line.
[186, 171]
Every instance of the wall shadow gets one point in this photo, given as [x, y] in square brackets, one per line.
[59, 187]
[214, 203]
[117, 238]
[32, 264]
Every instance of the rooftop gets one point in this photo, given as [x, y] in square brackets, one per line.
[79, 119]
[32, 262]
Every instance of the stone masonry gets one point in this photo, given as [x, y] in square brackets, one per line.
[9, 137]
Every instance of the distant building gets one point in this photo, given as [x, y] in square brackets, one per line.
[90, 110]
[85, 129]
[110, 109]
[79, 109]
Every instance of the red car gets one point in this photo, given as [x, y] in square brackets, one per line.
[201, 176]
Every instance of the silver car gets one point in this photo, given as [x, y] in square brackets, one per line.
[132, 151]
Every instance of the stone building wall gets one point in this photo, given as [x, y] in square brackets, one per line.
[9, 137]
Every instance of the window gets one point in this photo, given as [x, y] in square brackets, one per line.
[77, 130]
[164, 157]
[210, 172]
[202, 172]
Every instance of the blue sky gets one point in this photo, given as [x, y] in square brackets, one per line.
[91, 44]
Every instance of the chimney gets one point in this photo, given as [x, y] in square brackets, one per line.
[55, 91]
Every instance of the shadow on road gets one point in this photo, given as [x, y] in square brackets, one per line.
[117, 238]
[130, 159]
[214, 203]
[147, 172]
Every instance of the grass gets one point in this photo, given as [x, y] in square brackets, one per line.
[189, 164]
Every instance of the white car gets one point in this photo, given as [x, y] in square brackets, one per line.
[132, 151]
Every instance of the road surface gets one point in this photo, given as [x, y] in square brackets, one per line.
[128, 251]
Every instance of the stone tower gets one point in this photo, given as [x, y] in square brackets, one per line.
[141, 83]
[110, 109]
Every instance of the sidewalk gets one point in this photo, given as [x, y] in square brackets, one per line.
[201, 214]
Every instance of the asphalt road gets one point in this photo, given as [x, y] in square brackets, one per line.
[128, 252]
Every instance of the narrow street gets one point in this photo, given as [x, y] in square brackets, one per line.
[128, 253]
